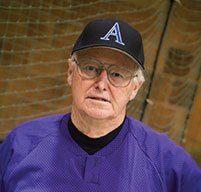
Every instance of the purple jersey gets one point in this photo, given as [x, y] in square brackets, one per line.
[41, 156]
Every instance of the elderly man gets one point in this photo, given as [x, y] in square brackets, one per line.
[97, 147]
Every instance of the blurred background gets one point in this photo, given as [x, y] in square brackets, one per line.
[36, 38]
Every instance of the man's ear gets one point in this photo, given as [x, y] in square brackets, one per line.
[70, 72]
[135, 90]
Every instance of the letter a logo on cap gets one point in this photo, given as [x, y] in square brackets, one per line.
[114, 31]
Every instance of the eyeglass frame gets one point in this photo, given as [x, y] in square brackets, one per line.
[102, 68]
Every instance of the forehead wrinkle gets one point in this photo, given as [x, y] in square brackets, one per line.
[109, 56]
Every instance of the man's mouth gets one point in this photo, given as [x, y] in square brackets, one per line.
[99, 99]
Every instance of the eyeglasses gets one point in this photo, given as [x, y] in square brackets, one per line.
[91, 68]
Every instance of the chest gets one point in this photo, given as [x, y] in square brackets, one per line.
[55, 169]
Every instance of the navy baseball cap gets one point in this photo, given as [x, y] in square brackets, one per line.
[115, 34]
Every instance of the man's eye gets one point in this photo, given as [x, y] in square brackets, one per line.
[90, 68]
[117, 75]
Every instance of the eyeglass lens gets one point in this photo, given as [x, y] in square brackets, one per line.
[118, 76]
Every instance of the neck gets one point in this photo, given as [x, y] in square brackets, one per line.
[93, 127]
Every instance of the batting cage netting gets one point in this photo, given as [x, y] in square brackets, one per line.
[36, 38]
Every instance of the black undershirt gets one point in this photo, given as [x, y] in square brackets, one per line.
[91, 145]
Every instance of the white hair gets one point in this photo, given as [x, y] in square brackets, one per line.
[73, 57]
[140, 75]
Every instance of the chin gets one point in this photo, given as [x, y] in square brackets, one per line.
[99, 113]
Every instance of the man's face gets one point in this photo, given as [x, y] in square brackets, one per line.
[97, 97]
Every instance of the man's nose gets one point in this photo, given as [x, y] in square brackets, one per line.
[103, 74]
[102, 80]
